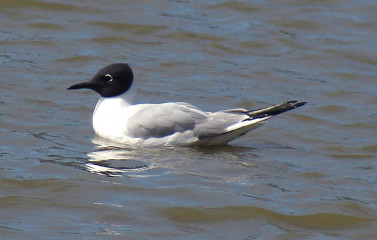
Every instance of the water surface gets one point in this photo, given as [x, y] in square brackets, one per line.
[308, 174]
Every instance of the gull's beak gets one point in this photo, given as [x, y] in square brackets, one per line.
[92, 84]
[80, 86]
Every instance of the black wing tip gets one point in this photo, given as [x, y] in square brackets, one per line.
[297, 104]
[276, 110]
[287, 106]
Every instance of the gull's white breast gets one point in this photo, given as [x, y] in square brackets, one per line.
[111, 114]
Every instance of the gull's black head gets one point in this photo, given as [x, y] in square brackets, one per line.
[110, 81]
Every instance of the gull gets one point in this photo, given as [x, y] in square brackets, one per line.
[118, 119]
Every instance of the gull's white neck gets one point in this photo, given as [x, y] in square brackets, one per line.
[110, 114]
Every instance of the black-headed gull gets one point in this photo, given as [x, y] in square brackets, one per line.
[167, 124]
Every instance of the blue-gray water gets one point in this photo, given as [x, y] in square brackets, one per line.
[307, 174]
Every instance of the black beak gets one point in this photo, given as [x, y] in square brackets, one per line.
[80, 86]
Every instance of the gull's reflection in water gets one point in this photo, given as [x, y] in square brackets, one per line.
[112, 159]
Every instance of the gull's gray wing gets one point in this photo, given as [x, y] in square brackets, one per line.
[160, 120]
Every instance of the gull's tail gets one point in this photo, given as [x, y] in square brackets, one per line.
[252, 120]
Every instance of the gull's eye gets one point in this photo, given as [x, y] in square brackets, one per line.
[108, 78]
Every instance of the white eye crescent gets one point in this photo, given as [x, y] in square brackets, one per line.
[109, 77]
